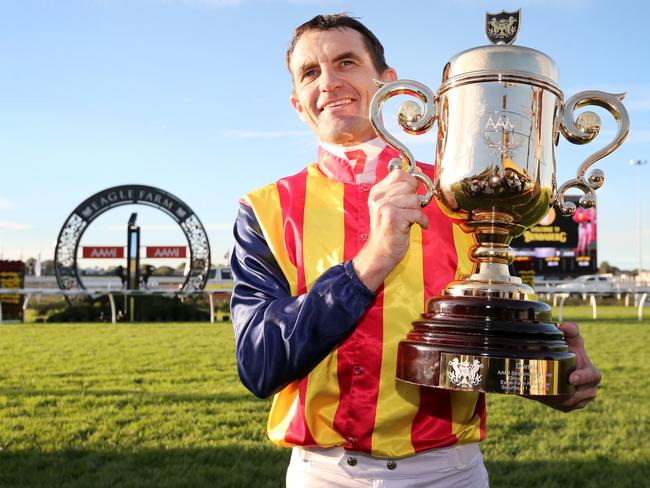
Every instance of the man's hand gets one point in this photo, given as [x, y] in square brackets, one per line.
[394, 206]
[585, 378]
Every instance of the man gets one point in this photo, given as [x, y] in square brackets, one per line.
[330, 270]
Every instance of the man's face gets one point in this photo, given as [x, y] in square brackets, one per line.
[333, 85]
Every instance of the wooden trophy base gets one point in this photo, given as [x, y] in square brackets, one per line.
[487, 344]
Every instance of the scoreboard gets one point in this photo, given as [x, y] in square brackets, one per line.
[559, 246]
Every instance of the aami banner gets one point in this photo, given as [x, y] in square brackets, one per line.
[102, 252]
[559, 246]
[158, 252]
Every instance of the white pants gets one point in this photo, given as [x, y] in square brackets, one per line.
[456, 466]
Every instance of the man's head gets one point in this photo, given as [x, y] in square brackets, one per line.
[333, 60]
[340, 21]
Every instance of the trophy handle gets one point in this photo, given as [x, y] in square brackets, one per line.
[583, 130]
[411, 119]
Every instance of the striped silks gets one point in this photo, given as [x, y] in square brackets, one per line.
[312, 222]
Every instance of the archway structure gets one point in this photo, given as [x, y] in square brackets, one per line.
[67, 244]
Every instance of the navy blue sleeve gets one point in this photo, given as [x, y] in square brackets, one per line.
[280, 337]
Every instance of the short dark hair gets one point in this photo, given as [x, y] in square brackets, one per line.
[341, 21]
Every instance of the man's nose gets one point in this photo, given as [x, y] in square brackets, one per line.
[329, 80]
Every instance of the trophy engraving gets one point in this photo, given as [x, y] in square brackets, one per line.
[500, 132]
[500, 112]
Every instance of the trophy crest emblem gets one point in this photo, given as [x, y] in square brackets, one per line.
[465, 374]
[502, 27]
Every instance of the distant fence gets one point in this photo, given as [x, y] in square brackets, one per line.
[639, 300]
[626, 291]
[638, 295]
[111, 294]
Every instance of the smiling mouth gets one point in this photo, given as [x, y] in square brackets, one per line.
[337, 103]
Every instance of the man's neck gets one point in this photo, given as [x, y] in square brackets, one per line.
[352, 164]
[371, 148]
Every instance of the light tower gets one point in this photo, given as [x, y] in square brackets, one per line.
[639, 213]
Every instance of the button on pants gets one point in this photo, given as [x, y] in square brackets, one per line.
[456, 466]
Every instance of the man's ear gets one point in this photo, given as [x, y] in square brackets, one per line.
[389, 74]
[297, 106]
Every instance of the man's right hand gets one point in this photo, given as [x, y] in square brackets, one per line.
[394, 206]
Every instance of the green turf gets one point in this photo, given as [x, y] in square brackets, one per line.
[153, 405]
[603, 445]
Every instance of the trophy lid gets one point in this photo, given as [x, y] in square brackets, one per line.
[501, 57]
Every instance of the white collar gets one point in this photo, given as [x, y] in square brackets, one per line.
[371, 148]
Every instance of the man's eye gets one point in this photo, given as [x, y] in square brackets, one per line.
[310, 73]
[347, 62]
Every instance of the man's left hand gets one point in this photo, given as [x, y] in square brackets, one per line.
[585, 378]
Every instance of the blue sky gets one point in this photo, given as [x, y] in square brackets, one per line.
[192, 96]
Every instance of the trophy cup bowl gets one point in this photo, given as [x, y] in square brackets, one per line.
[500, 112]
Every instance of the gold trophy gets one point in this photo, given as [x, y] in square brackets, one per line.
[500, 113]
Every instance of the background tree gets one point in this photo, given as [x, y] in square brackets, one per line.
[605, 267]
[163, 271]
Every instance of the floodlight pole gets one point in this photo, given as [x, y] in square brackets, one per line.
[639, 212]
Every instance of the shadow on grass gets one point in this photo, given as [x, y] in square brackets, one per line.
[260, 467]
[226, 466]
[599, 473]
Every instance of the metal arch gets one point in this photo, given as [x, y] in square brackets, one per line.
[67, 244]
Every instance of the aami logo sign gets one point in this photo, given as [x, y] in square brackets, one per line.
[102, 252]
[158, 252]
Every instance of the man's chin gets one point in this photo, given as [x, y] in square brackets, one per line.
[346, 132]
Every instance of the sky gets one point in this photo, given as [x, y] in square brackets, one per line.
[192, 96]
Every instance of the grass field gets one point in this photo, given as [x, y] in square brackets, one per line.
[152, 405]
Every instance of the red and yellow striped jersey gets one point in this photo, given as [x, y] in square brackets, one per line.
[318, 219]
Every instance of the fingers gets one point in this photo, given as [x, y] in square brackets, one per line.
[587, 376]
[395, 202]
[580, 405]
[571, 330]
[394, 207]
[579, 399]
[415, 217]
[397, 188]
[586, 381]
[584, 395]
[397, 177]
[402, 200]
[391, 217]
